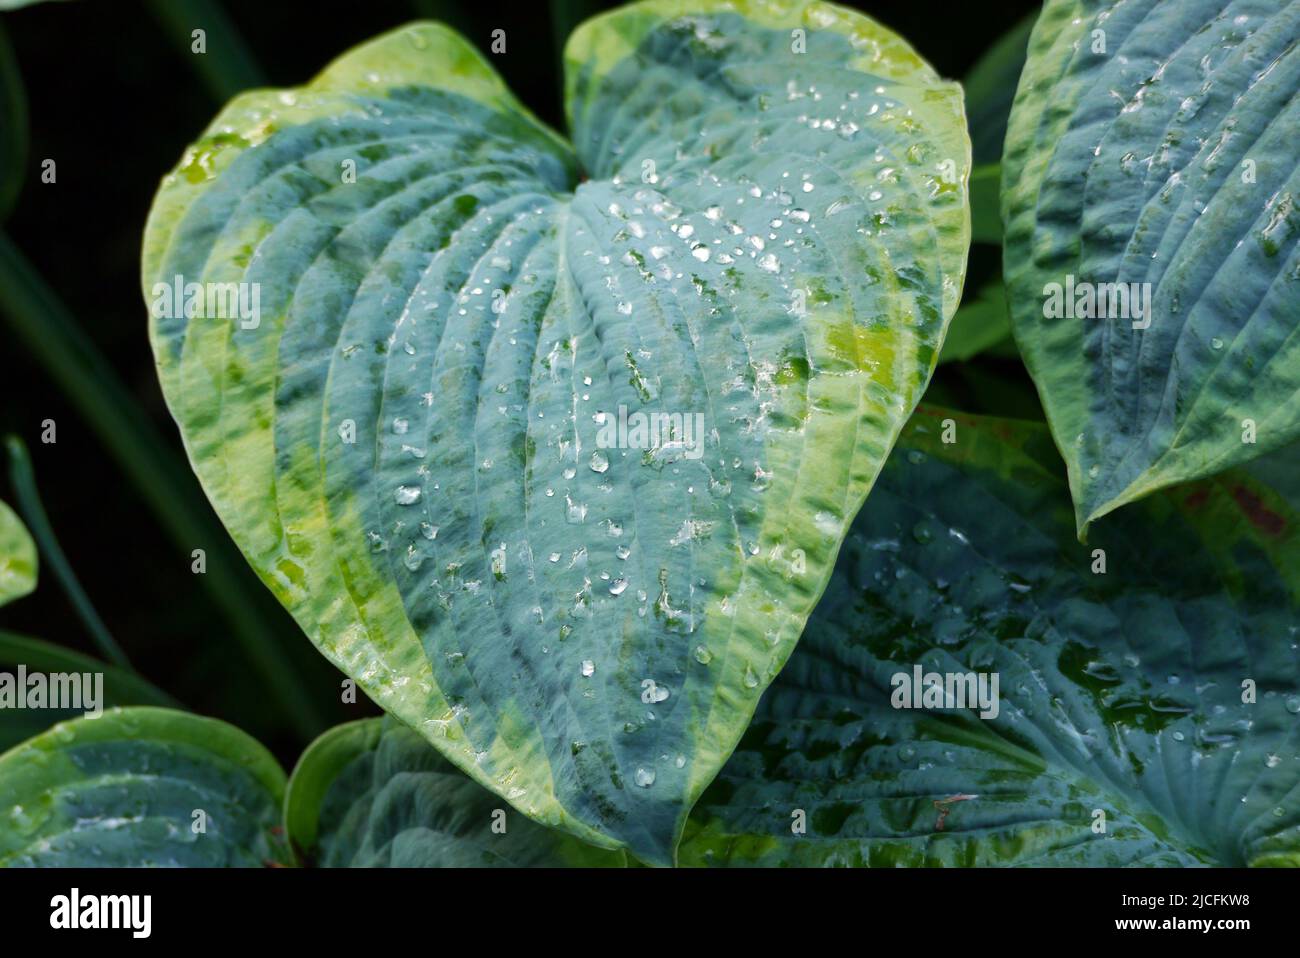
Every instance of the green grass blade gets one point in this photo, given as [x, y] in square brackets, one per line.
[45, 326]
[227, 67]
[41, 656]
[13, 127]
[23, 478]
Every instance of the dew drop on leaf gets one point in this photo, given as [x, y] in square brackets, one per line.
[406, 495]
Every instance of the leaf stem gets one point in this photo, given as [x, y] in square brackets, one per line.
[33, 510]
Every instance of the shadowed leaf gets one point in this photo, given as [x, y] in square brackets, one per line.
[140, 787]
[1147, 715]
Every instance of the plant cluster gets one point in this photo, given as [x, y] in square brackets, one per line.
[600, 462]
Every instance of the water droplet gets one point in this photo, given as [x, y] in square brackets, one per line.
[599, 462]
[703, 655]
[588, 668]
[406, 495]
[645, 777]
[652, 693]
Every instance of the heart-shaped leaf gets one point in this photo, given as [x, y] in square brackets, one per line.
[17, 557]
[1150, 186]
[1145, 714]
[553, 453]
[374, 794]
[140, 787]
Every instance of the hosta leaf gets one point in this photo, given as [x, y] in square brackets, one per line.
[140, 787]
[1119, 693]
[17, 557]
[1154, 143]
[36, 655]
[769, 240]
[373, 793]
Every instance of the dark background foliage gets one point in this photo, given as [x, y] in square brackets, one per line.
[115, 96]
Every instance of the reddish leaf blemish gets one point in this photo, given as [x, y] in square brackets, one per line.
[1261, 517]
[944, 806]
